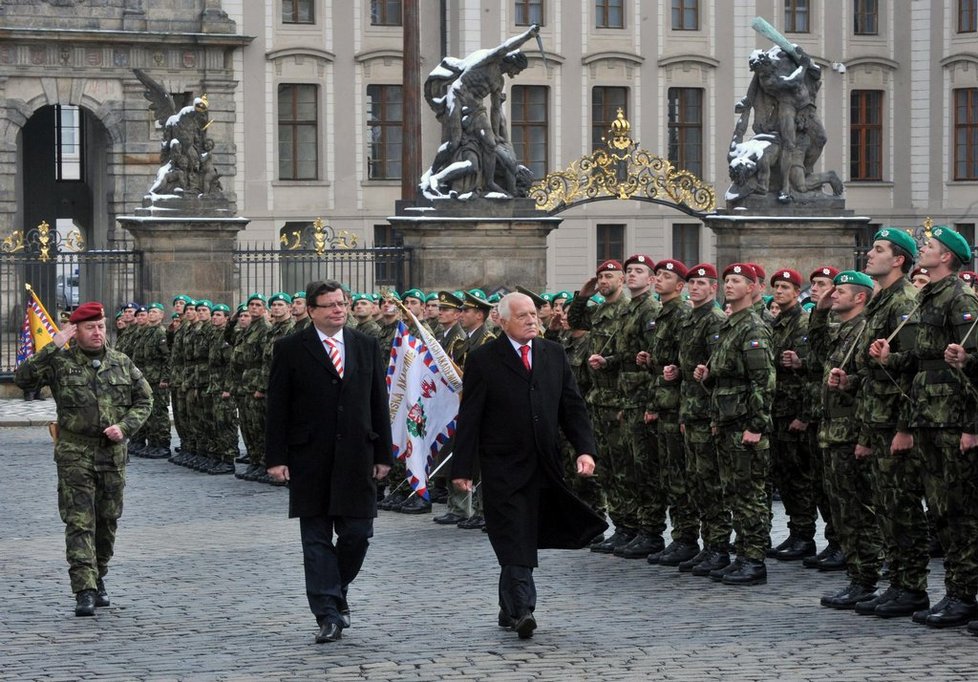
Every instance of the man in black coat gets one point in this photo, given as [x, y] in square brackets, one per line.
[328, 434]
[516, 391]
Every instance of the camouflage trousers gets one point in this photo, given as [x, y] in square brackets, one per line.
[225, 427]
[958, 507]
[849, 486]
[641, 496]
[793, 475]
[199, 417]
[178, 396]
[157, 427]
[673, 478]
[704, 485]
[614, 473]
[465, 504]
[91, 479]
[818, 483]
[743, 471]
[900, 483]
[585, 487]
[252, 415]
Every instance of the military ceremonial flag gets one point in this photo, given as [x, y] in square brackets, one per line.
[424, 391]
[38, 329]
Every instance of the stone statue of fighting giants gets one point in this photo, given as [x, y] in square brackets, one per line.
[779, 160]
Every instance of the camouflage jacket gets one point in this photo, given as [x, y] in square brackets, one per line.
[299, 325]
[386, 338]
[248, 354]
[604, 323]
[763, 312]
[89, 398]
[663, 341]
[838, 424]
[699, 334]
[195, 354]
[940, 396]
[369, 327]
[742, 374]
[634, 382]
[177, 362]
[791, 391]
[879, 391]
[275, 332]
[124, 339]
[219, 362]
[825, 325]
[152, 355]
[575, 348]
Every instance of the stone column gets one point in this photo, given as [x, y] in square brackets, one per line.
[780, 240]
[186, 256]
[485, 243]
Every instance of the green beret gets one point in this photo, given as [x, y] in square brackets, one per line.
[360, 297]
[548, 297]
[222, 308]
[155, 305]
[392, 294]
[476, 298]
[174, 316]
[566, 295]
[448, 299]
[118, 315]
[181, 297]
[808, 306]
[298, 294]
[191, 303]
[204, 303]
[538, 300]
[597, 299]
[495, 298]
[257, 297]
[414, 293]
[279, 296]
[375, 297]
[242, 307]
[860, 279]
[899, 237]
[433, 296]
[957, 244]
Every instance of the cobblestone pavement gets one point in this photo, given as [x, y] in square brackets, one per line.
[207, 584]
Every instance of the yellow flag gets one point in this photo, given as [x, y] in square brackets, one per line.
[42, 326]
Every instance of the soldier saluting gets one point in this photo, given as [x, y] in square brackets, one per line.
[102, 399]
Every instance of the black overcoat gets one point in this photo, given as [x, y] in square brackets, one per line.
[329, 431]
[508, 426]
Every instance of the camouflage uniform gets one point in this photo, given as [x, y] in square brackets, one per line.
[791, 471]
[368, 327]
[763, 312]
[585, 487]
[152, 356]
[91, 468]
[604, 323]
[899, 478]
[224, 434]
[742, 378]
[248, 355]
[299, 325]
[814, 367]
[178, 390]
[699, 333]
[124, 339]
[942, 405]
[386, 338]
[848, 481]
[198, 404]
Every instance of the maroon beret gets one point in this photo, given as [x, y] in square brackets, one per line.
[672, 265]
[702, 270]
[610, 265]
[824, 271]
[787, 275]
[742, 269]
[86, 312]
[759, 273]
[640, 259]
[919, 271]
[968, 275]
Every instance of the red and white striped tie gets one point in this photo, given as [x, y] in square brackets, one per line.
[334, 355]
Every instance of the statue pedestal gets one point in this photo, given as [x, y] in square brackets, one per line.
[486, 243]
[776, 239]
[186, 255]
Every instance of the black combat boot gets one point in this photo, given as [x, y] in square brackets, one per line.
[848, 597]
[640, 546]
[687, 566]
[682, 551]
[751, 572]
[958, 611]
[792, 549]
[85, 603]
[101, 596]
[904, 604]
[619, 538]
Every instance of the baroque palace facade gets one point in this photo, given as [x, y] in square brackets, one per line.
[306, 101]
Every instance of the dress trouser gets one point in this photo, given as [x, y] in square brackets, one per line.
[331, 567]
[517, 592]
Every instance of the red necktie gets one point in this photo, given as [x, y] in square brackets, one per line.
[525, 353]
[334, 355]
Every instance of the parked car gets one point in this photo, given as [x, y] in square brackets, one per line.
[67, 291]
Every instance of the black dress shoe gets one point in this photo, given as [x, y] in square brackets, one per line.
[958, 611]
[448, 519]
[416, 505]
[904, 604]
[344, 608]
[85, 603]
[329, 632]
[525, 625]
[798, 548]
[687, 566]
[683, 551]
[716, 575]
[868, 606]
[640, 546]
[715, 560]
[848, 597]
[751, 572]
[973, 627]
[474, 522]
[812, 561]
[505, 620]
[833, 561]
[920, 617]
[619, 538]
[101, 596]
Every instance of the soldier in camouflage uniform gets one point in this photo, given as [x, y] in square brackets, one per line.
[390, 315]
[152, 356]
[133, 342]
[791, 471]
[279, 308]
[664, 340]
[249, 356]
[881, 391]
[102, 398]
[740, 372]
[224, 424]
[941, 413]
[300, 316]
[124, 337]
[757, 298]
[180, 384]
[363, 308]
[848, 480]
[198, 403]
[431, 314]
[241, 320]
[699, 333]
[603, 324]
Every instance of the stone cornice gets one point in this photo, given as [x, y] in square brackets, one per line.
[601, 56]
[371, 55]
[313, 53]
[124, 37]
[951, 59]
[688, 58]
[872, 60]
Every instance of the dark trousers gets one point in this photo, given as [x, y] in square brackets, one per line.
[517, 593]
[329, 567]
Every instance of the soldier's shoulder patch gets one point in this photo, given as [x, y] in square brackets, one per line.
[967, 317]
[650, 325]
[755, 343]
